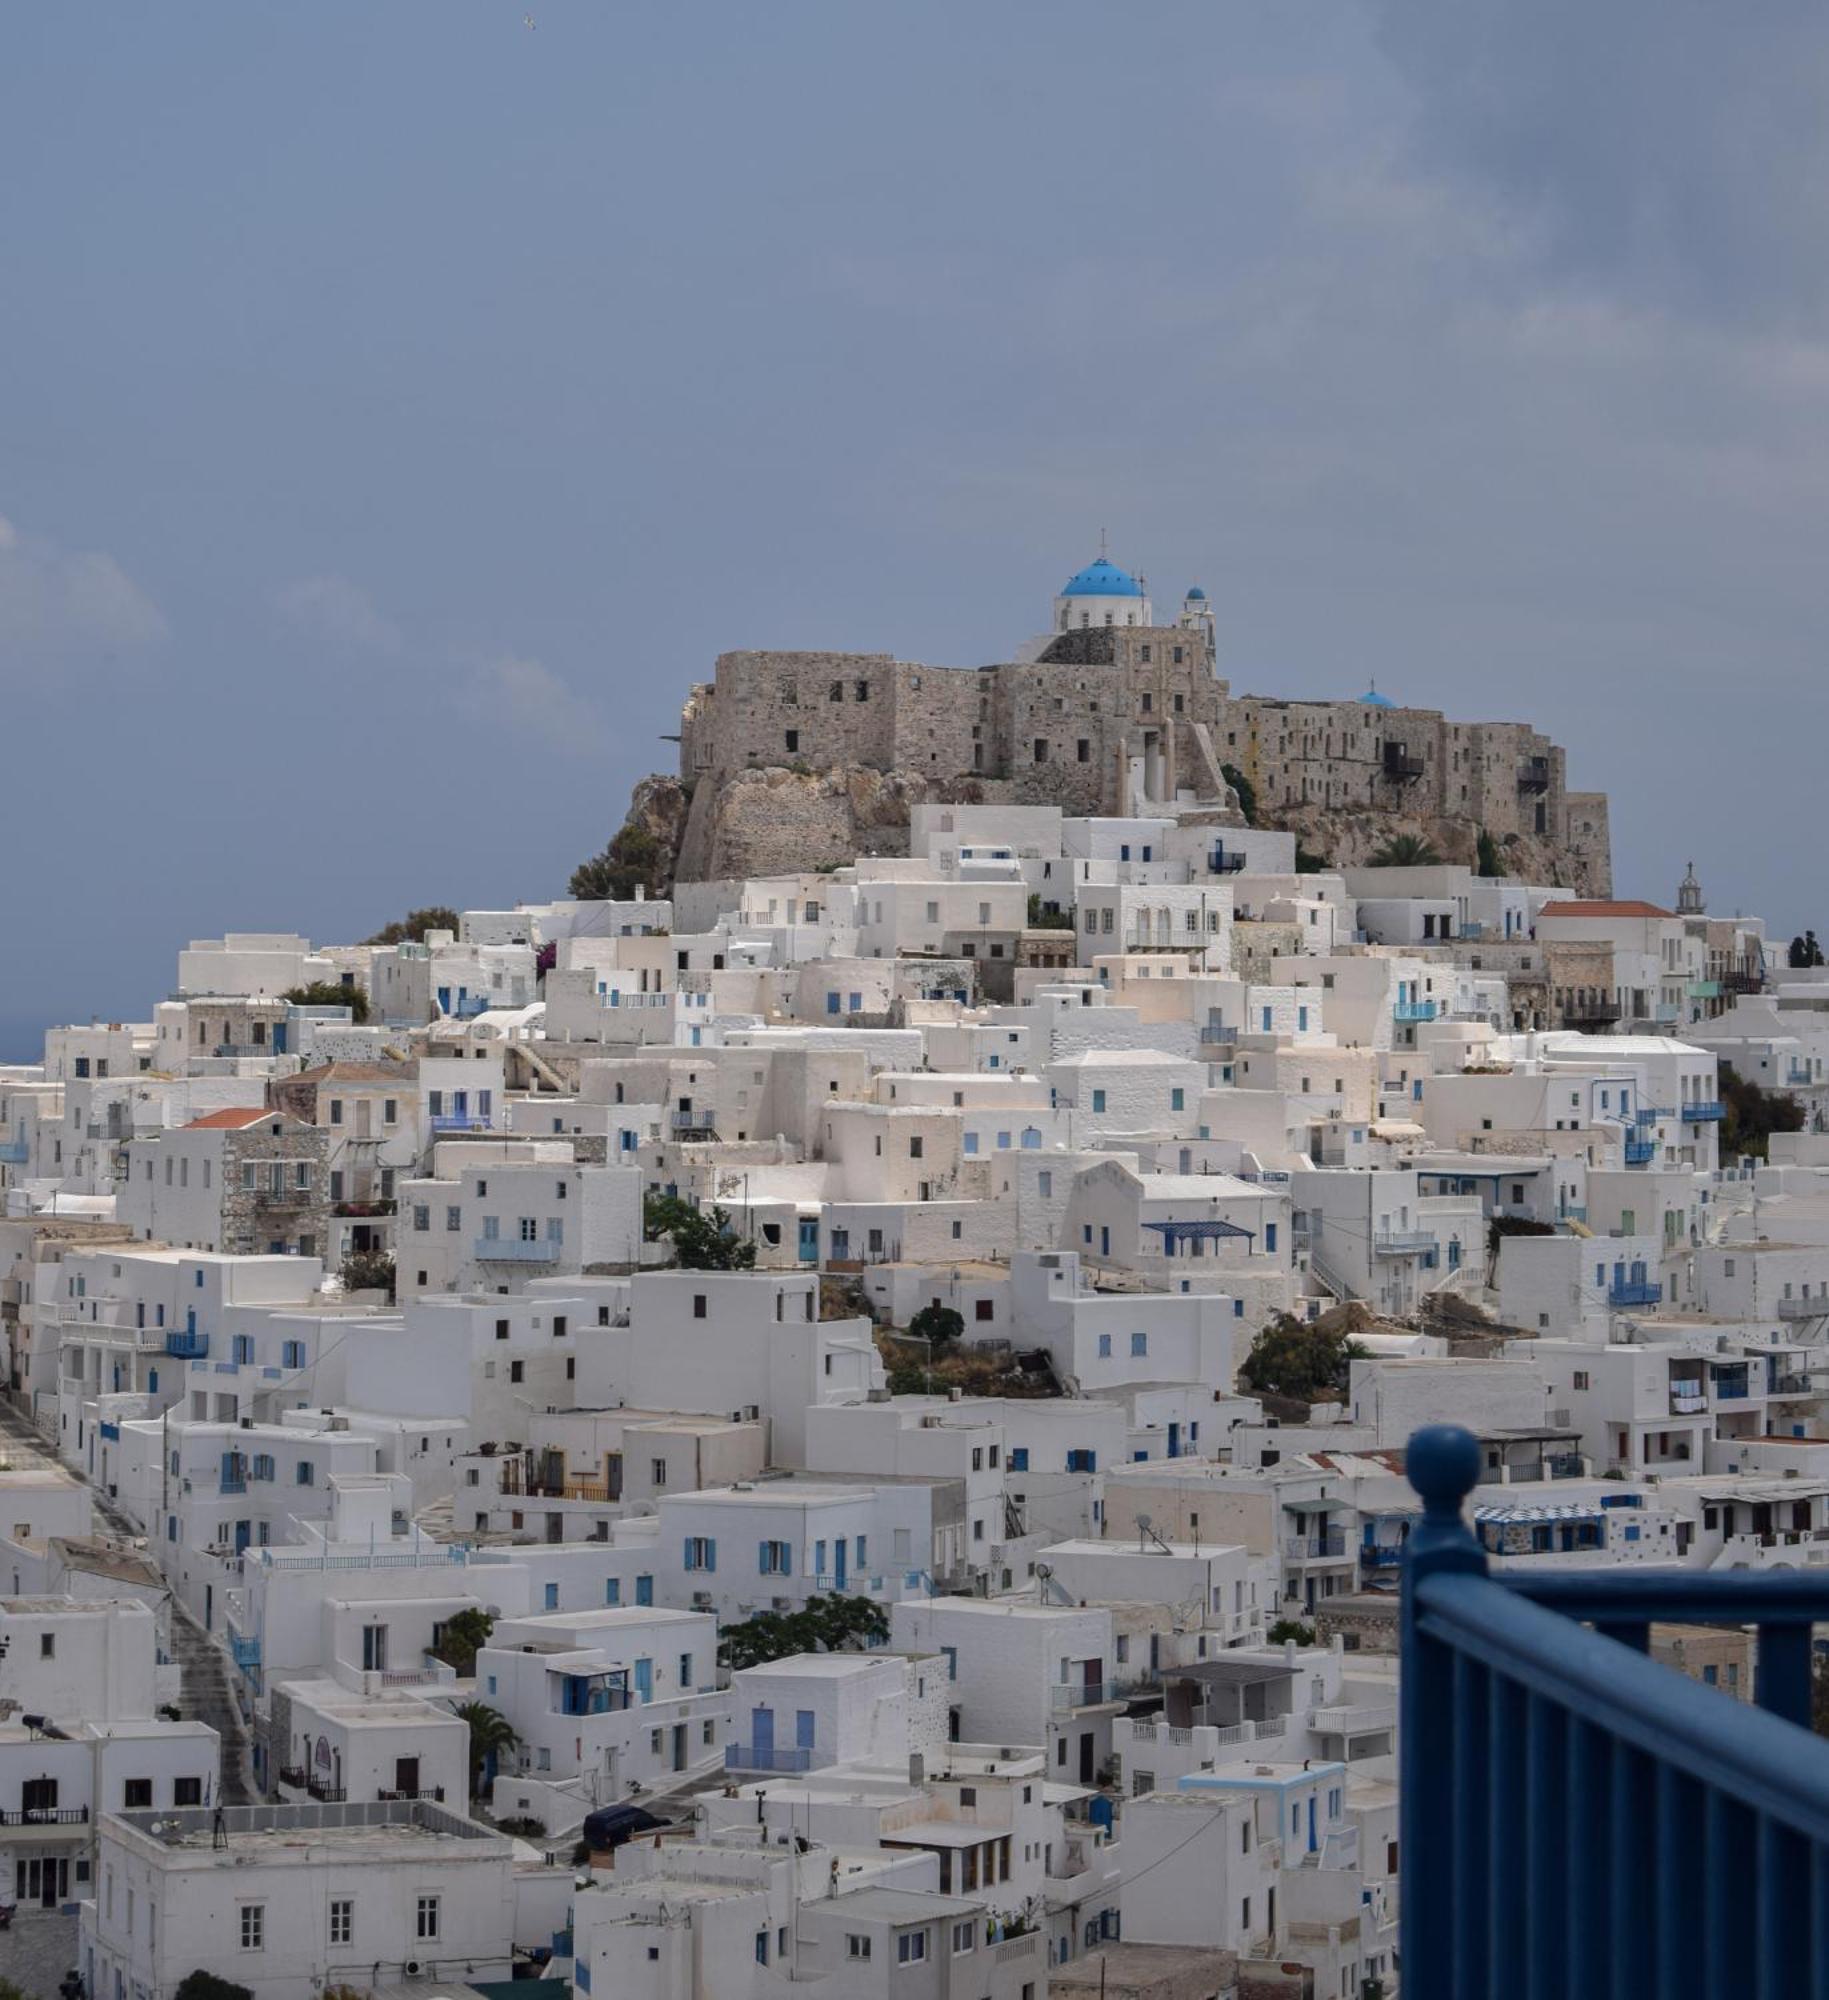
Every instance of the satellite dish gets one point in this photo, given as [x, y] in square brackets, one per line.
[1144, 1522]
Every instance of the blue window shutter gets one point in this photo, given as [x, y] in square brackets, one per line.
[711, 1555]
[762, 1559]
[787, 1559]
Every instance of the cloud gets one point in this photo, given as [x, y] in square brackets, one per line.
[1670, 153]
[68, 604]
[525, 696]
[333, 608]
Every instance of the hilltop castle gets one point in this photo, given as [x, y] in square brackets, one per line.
[793, 760]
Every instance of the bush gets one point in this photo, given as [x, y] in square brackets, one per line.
[702, 1240]
[369, 1271]
[832, 1622]
[1406, 850]
[206, 1986]
[328, 993]
[632, 860]
[1749, 1115]
[1488, 862]
[1305, 1361]
[938, 1324]
[1290, 1628]
[411, 928]
[1047, 920]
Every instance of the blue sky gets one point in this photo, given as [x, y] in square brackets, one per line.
[403, 404]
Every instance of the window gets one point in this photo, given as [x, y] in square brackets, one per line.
[911, 1946]
[855, 1946]
[698, 1305]
[1177, 1100]
[427, 1922]
[983, 1309]
[47, 1645]
[772, 1559]
[701, 1552]
[187, 1791]
[253, 1926]
[965, 1936]
[136, 1792]
[1098, 1100]
[422, 1216]
[1139, 1343]
[454, 1217]
[762, 1936]
[657, 1472]
[1104, 1347]
[501, 1329]
[342, 1920]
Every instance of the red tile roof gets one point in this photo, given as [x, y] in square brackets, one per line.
[233, 1120]
[1603, 910]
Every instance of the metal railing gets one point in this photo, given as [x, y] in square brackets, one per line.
[788, 1757]
[1584, 1819]
[1413, 1010]
[187, 1346]
[1634, 1292]
[458, 1121]
[46, 1816]
[1402, 1242]
[1641, 1152]
[1803, 1308]
[515, 1250]
[1704, 1111]
[1315, 1548]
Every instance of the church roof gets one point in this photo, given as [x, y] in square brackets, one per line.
[1102, 579]
[1373, 699]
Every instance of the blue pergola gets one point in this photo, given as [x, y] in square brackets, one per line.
[1212, 1230]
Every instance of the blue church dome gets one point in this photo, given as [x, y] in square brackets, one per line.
[1373, 699]
[1102, 579]
[1196, 595]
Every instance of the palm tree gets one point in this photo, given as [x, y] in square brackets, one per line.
[1406, 850]
[491, 1737]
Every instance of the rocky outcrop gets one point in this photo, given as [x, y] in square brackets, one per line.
[1349, 837]
[773, 819]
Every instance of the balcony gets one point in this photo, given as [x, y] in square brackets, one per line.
[786, 1757]
[458, 1121]
[14, 1152]
[232, 1482]
[1688, 1398]
[1791, 1385]
[515, 1250]
[1223, 863]
[1798, 1074]
[1803, 1308]
[1704, 1111]
[293, 1775]
[187, 1346]
[1354, 1718]
[698, 1122]
[1400, 766]
[1533, 774]
[46, 1816]
[1641, 1152]
[324, 1792]
[1413, 1010]
[1402, 1243]
[1744, 982]
[1315, 1548]
[244, 1651]
[1579, 1014]
[283, 1197]
[1534, 1725]
[1634, 1292]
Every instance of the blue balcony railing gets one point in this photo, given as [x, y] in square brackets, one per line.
[1634, 1292]
[14, 1152]
[1579, 1819]
[1641, 1152]
[458, 1121]
[1705, 1111]
[1799, 1072]
[1414, 1010]
[245, 1652]
[515, 1250]
[187, 1346]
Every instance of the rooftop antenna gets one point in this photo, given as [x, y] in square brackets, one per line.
[1102, 547]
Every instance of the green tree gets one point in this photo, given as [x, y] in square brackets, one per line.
[832, 1622]
[328, 993]
[937, 1324]
[1309, 863]
[1749, 1115]
[634, 859]
[202, 1985]
[1290, 1628]
[1805, 952]
[1406, 850]
[1298, 1358]
[463, 1635]
[411, 928]
[1489, 861]
[702, 1239]
[492, 1735]
[1243, 790]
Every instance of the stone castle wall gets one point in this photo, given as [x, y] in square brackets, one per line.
[1074, 728]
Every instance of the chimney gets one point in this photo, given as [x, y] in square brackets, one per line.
[917, 1769]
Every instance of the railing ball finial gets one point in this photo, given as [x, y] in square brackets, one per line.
[1443, 1463]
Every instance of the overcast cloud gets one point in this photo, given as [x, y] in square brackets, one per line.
[446, 395]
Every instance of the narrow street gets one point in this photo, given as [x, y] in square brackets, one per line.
[207, 1694]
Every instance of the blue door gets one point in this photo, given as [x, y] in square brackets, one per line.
[838, 1563]
[762, 1737]
[1104, 1242]
[1174, 1440]
[803, 1729]
[1311, 1825]
[241, 1536]
[644, 1590]
[809, 1239]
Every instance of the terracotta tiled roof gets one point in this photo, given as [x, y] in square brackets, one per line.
[234, 1120]
[1602, 910]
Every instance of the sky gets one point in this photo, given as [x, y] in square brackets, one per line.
[402, 403]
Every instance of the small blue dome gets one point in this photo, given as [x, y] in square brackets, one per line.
[1102, 579]
[1197, 595]
[1373, 699]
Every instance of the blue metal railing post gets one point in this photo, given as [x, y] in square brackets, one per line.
[1439, 1799]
